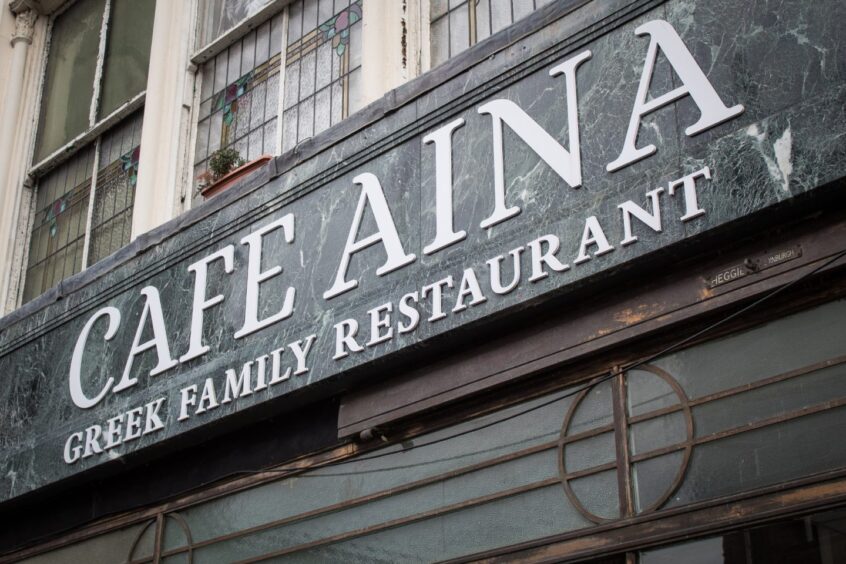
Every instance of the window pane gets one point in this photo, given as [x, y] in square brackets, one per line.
[240, 96]
[111, 222]
[70, 75]
[127, 52]
[220, 16]
[322, 75]
[58, 232]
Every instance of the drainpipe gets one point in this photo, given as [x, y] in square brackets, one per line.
[9, 190]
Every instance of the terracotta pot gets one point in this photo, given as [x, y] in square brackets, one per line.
[233, 176]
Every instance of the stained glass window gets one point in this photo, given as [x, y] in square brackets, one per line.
[240, 94]
[117, 175]
[458, 24]
[58, 230]
[322, 67]
[240, 98]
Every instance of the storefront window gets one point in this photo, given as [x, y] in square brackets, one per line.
[815, 539]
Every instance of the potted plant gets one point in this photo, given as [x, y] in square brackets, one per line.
[226, 166]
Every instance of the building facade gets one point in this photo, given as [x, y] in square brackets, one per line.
[500, 280]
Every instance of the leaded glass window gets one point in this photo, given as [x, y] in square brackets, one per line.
[66, 237]
[58, 230]
[239, 100]
[458, 24]
[322, 67]
[117, 175]
[243, 86]
[87, 79]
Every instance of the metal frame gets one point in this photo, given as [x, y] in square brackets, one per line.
[629, 519]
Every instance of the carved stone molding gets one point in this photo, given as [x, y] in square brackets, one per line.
[24, 26]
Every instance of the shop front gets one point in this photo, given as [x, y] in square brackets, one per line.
[575, 295]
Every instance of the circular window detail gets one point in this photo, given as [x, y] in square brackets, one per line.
[625, 444]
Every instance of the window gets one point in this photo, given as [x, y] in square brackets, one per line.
[459, 24]
[322, 68]
[95, 89]
[219, 16]
[240, 103]
[96, 72]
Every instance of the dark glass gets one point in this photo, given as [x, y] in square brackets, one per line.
[815, 539]
[69, 79]
[127, 53]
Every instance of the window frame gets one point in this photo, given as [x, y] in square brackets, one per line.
[90, 138]
[96, 127]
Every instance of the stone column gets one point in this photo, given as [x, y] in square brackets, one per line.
[9, 188]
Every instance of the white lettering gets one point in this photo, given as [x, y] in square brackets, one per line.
[496, 277]
[379, 322]
[200, 304]
[408, 311]
[436, 290]
[694, 83]
[255, 277]
[345, 332]
[592, 235]
[653, 220]
[469, 287]
[444, 234]
[153, 309]
[301, 351]
[691, 204]
[539, 258]
[75, 378]
[386, 234]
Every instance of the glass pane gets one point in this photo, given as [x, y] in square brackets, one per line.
[593, 411]
[648, 392]
[598, 494]
[707, 551]
[111, 222]
[70, 75]
[108, 547]
[322, 68]
[219, 16]
[127, 53]
[440, 41]
[814, 539]
[589, 453]
[58, 230]
[658, 433]
[459, 30]
[654, 478]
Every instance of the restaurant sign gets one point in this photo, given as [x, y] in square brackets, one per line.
[591, 157]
